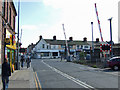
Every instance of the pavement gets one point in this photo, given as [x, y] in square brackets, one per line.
[23, 78]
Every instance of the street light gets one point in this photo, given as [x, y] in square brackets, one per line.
[18, 37]
[92, 38]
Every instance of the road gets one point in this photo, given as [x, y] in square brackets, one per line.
[55, 74]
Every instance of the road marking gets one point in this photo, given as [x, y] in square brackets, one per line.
[112, 73]
[37, 82]
[83, 84]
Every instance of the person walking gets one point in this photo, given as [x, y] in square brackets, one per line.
[6, 72]
[28, 62]
[61, 58]
[22, 61]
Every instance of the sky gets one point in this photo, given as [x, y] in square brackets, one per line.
[45, 17]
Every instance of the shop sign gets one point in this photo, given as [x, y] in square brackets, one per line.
[7, 41]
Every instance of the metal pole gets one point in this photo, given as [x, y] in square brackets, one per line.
[18, 36]
[4, 42]
[92, 38]
[111, 36]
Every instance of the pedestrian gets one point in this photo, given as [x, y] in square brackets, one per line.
[22, 61]
[28, 61]
[61, 58]
[6, 72]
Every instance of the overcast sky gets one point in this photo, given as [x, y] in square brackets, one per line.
[45, 17]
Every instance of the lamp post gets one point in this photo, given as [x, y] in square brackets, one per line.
[92, 38]
[110, 19]
[18, 37]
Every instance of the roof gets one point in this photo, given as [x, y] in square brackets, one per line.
[62, 42]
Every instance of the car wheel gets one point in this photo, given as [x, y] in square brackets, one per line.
[115, 67]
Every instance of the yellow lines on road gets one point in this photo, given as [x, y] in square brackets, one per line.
[37, 82]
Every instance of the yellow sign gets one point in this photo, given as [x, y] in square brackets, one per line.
[7, 40]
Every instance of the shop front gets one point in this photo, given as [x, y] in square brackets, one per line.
[10, 49]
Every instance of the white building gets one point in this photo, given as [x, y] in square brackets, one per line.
[52, 48]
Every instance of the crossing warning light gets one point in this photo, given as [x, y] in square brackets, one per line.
[105, 47]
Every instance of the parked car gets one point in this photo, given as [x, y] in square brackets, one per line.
[114, 63]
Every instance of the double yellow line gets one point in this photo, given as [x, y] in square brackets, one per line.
[37, 82]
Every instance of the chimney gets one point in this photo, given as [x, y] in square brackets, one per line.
[84, 39]
[97, 39]
[70, 38]
[54, 37]
[40, 37]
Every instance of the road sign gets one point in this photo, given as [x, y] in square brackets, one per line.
[105, 48]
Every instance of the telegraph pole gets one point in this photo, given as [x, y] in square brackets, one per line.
[110, 19]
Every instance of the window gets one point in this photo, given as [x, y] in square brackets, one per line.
[81, 46]
[14, 23]
[10, 16]
[43, 46]
[3, 7]
[77, 46]
[7, 10]
[70, 46]
[45, 54]
[62, 46]
[55, 53]
[47, 47]
[86, 46]
[54, 47]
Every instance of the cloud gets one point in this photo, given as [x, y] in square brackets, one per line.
[33, 27]
[29, 27]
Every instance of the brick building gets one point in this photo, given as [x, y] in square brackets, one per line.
[7, 31]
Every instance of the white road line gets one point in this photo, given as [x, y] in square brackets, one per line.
[83, 84]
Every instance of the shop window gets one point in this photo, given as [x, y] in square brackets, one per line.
[45, 54]
[12, 40]
[55, 53]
